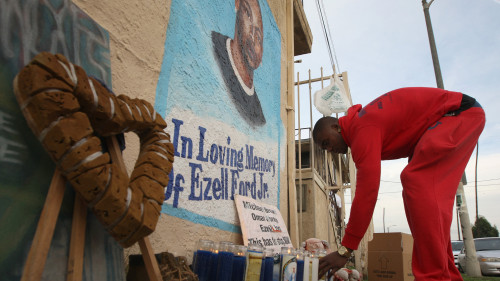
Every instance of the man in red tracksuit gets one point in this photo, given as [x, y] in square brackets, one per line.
[437, 130]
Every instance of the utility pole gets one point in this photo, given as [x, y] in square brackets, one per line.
[475, 182]
[472, 264]
[383, 220]
[432, 43]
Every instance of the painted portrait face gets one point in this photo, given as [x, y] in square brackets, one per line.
[250, 32]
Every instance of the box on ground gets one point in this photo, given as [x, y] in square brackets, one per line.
[389, 257]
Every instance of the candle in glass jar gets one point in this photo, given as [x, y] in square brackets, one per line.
[288, 268]
[300, 265]
[307, 261]
[225, 261]
[322, 253]
[314, 267]
[203, 254]
[214, 262]
[266, 273]
[254, 263]
[239, 262]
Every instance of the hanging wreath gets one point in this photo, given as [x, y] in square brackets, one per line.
[67, 111]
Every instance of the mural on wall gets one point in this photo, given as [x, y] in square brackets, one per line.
[239, 57]
[28, 27]
[219, 89]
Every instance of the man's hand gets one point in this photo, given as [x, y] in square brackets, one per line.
[333, 262]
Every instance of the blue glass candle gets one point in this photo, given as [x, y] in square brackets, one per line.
[267, 265]
[239, 262]
[214, 262]
[202, 258]
[300, 265]
[225, 262]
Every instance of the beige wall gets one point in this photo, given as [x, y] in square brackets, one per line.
[137, 33]
[322, 214]
[137, 36]
[316, 220]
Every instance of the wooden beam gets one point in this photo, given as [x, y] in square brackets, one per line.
[150, 261]
[77, 242]
[292, 194]
[316, 79]
[37, 256]
[335, 187]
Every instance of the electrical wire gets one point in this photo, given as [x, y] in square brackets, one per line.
[331, 37]
[320, 14]
[327, 34]
[398, 182]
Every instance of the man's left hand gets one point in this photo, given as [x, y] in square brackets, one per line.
[333, 262]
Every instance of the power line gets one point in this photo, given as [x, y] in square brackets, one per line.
[330, 36]
[391, 181]
[477, 181]
[327, 34]
[489, 180]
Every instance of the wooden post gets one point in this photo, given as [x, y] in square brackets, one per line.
[290, 95]
[37, 256]
[77, 242]
[150, 261]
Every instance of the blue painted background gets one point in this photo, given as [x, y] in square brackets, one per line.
[191, 86]
[190, 77]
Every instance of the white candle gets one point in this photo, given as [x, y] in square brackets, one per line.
[322, 253]
[315, 267]
[307, 261]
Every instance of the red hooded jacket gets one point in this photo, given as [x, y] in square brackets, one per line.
[387, 128]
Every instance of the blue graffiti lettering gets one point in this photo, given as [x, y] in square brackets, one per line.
[217, 188]
[259, 164]
[230, 182]
[234, 182]
[200, 156]
[177, 189]
[195, 182]
[207, 188]
[177, 127]
[170, 185]
[214, 155]
[187, 143]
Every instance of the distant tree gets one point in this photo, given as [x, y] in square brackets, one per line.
[482, 228]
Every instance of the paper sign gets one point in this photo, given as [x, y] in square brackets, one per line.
[261, 224]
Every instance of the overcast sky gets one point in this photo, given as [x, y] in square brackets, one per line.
[383, 45]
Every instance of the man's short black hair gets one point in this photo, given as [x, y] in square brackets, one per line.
[322, 123]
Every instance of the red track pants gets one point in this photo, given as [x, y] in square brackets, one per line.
[430, 182]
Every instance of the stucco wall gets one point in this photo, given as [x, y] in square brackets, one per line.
[137, 35]
[138, 32]
[322, 214]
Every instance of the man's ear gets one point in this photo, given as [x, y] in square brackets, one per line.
[236, 5]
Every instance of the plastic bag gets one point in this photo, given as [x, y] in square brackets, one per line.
[332, 99]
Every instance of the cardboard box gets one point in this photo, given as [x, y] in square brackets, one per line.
[389, 257]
